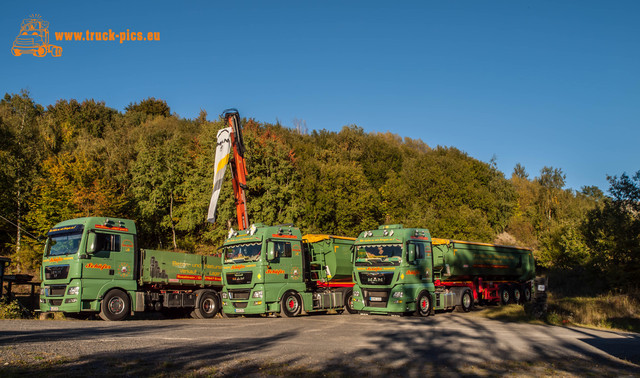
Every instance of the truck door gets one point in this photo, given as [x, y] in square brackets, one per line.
[113, 259]
[425, 264]
[279, 270]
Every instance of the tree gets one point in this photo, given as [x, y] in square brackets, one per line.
[21, 150]
[157, 173]
[150, 106]
[612, 231]
[520, 172]
[551, 182]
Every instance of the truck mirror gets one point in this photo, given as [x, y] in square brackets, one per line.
[412, 253]
[271, 253]
[92, 243]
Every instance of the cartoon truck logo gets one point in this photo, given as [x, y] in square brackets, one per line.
[34, 39]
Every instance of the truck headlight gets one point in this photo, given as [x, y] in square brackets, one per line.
[257, 294]
[398, 294]
[73, 290]
[356, 293]
[225, 295]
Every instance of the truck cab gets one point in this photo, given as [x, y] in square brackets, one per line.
[94, 266]
[83, 259]
[277, 270]
[392, 271]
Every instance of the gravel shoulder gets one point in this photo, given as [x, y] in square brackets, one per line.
[321, 345]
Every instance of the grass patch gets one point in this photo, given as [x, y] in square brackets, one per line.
[613, 311]
[512, 313]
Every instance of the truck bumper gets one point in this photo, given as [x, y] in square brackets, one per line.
[393, 301]
[244, 301]
[61, 297]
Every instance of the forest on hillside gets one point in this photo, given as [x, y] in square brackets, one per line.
[75, 159]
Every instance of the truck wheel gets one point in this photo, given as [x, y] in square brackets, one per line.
[466, 302]
[517, 294]
[291, 304]
[505, 295]
[348, 302]
[207, 306]
[115, 306]
[424, 304]
[526, 293]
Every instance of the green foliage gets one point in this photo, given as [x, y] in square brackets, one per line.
[150, 106]
[10, 309]
[613, 230]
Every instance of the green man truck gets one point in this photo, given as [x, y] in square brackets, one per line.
[276, 270]
[93, 265]
[401, 270]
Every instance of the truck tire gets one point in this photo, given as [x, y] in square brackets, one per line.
[517, 293]
[466, 301]
[423, 305]
[291, 304]
[526, 293]
[505, 294]
[207, 306]
[348, 302]
[115, 306]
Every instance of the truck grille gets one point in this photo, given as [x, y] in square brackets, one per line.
[376, 298]
[239, 294]
[239, 278]
[57, 290]
[240, 304]
[376, 278]
[56, 272]
[55, 302]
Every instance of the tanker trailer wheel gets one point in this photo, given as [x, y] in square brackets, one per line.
[291, 304]
[517, 294]
[348, 302]
[423, 306]
[505, 294]
[526, 293]
[115, 306]
[207, 306]
[466, 302]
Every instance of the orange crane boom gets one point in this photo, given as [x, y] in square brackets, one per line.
[238, 167]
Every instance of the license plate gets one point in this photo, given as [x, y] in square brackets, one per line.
[54, 308]
[239, 309]
[375, 299]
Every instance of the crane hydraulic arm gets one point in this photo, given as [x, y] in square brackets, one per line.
[229, 138]
[238, 167]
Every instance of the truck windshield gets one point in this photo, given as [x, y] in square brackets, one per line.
[242, 252]
[383, 254]
[63, 244]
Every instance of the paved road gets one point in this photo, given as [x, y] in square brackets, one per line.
[346, 344]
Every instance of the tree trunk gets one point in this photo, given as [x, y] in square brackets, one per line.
[173, 228]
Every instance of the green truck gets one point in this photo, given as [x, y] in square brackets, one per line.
[400, 270]
[94, 266]
[276, 270]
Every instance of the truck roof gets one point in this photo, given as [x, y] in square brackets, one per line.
[111, 224]
[313, 238]
[439, 241]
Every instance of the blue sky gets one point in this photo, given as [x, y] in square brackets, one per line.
[542, 83]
